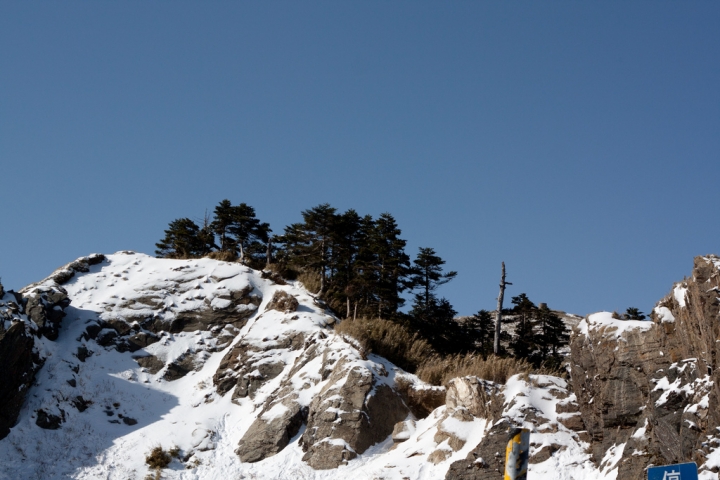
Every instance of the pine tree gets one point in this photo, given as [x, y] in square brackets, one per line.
[221, 223]
[309, 245]
[391, 266]
[550, 333]
[555, 332]
[481, 331]
[633, 313]
[361, 288]
[427, 275]
[182, 240]
[434, 318]
[249, 235]
[523, 342]
[346, 240]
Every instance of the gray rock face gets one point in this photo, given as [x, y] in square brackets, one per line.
[655, 379]
[345, 419]
[272, 430]
[240, 305]
[245, 365]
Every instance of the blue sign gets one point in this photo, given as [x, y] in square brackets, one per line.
[681, 471]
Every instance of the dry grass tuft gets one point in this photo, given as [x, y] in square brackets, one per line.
[388, 339]
[413, 354]
[224, 256]
[310, 280]
[438, 370]
[158, 458]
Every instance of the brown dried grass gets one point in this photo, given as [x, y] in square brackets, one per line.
[158, 458]
[310, 280]
[388, 339]
[438, 370]
[223, 255]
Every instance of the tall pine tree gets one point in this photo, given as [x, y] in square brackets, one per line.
[524, 313]
[391, 265]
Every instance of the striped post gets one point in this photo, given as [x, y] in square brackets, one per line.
[516, 454]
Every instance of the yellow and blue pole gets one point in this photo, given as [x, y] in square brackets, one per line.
[516, 454]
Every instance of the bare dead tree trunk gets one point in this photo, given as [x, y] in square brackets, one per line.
[347, 315]
[355, 312]
[268, 254]
[498, 313]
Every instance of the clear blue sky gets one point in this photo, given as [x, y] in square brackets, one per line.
[577, 141]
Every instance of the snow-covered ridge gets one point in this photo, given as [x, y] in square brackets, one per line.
[187, 354]
[246, 377]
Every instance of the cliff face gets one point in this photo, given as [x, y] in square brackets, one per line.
[650, 389]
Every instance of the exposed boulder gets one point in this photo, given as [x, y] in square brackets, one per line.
[479, 397]
[151, 363]
[422, 399]
[283, 301]
[272, 430]
[48, 421]
[180, 367]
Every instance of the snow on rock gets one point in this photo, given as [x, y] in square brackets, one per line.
[680, 294]
[606, 325]
[664, 314]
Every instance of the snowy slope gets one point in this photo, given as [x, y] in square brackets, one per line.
[113, 411]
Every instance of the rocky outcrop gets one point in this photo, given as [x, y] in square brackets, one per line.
[651, 388]
[17, 372]
[249, 364]
[45, 305]
[352, 412]
[421, 398]
[65, 273]
[19, 363]
[353, 405]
